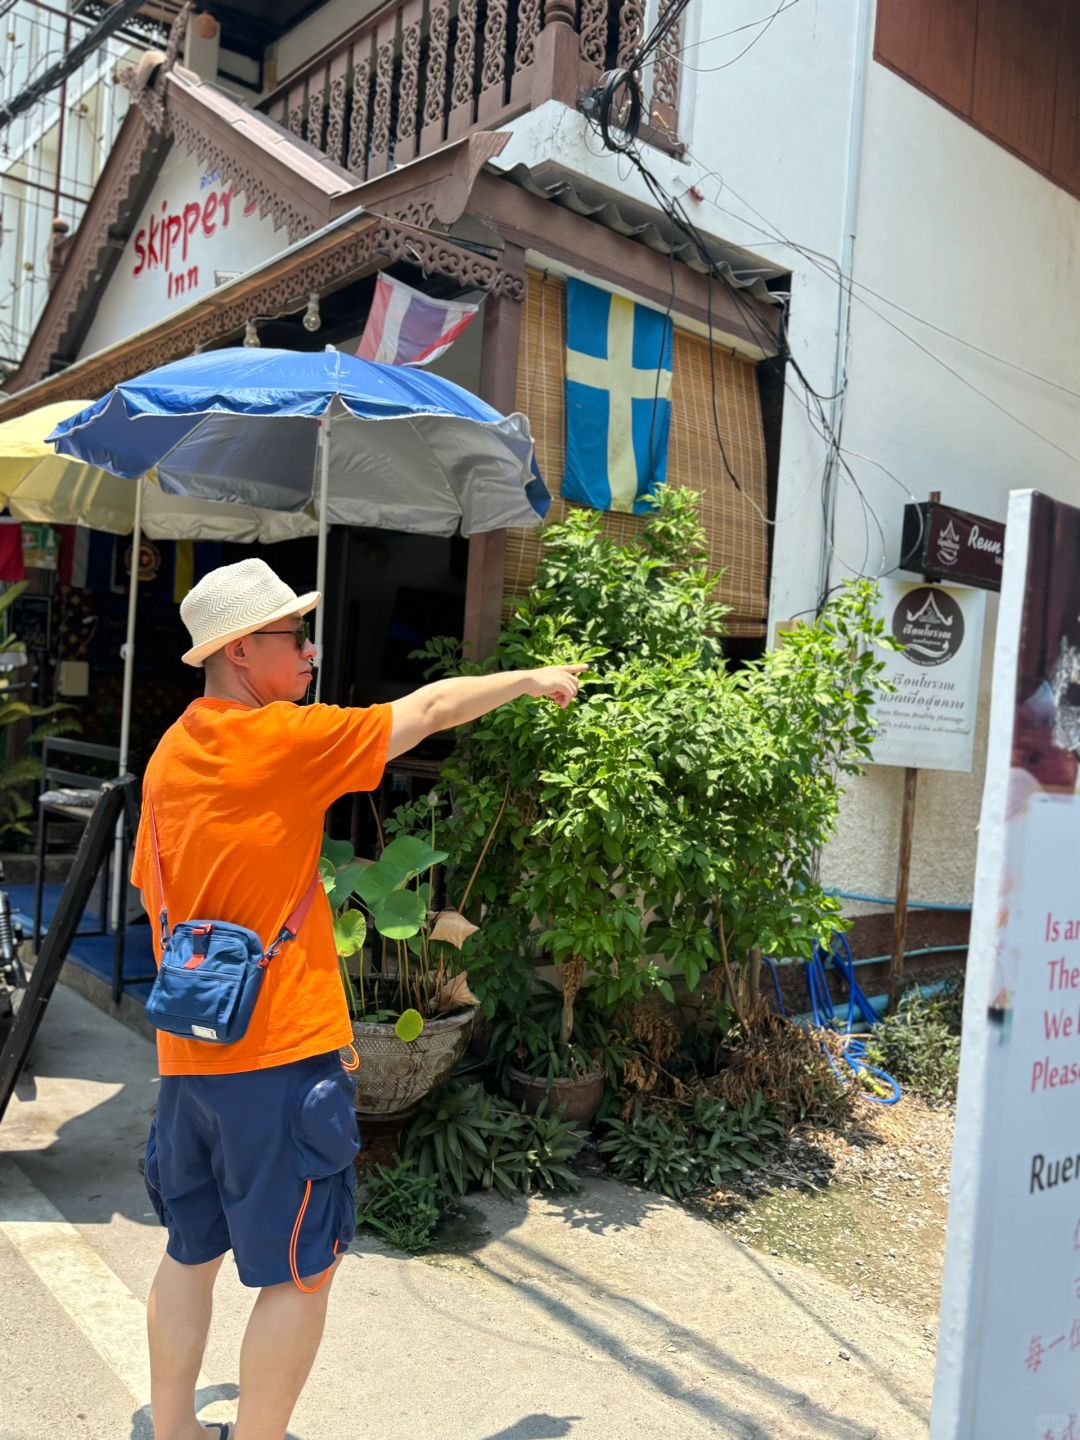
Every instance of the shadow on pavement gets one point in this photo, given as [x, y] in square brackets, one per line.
[537, 1427]
[617, 1208]
[585, 1212]
[85, 1164]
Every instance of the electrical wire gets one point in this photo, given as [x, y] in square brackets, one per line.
[661, 30]
[109, 22]
[599, 112]
[737, 30]
[836, 456]
[830, 267]
[852, 287]
[676, 214]
[766, 22]
[834, 272]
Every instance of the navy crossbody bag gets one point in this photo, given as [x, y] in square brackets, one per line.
[211, 970]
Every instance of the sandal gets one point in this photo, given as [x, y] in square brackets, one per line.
[223, 1427]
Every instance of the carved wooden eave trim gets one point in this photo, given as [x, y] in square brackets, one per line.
[323, 264]
[291, 182]
[298, 190]
[436, 189]
[586, 247]
[135, 151]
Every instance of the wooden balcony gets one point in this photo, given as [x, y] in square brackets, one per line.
[418, 73]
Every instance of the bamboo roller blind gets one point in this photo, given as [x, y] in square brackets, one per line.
[736, 532]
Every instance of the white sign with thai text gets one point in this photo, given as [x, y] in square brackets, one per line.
[194, 231]
[929, 718]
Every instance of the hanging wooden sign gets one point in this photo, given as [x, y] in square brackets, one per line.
[944, 543]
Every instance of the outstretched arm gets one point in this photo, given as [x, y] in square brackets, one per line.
[447, 703]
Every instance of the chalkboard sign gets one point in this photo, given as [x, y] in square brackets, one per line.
[31, 621]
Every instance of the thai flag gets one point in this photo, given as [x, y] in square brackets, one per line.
[406, 327]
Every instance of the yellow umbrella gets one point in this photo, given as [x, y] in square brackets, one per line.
[40, 486]
[37, 484]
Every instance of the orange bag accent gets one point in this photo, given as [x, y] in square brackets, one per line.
[355, 1060]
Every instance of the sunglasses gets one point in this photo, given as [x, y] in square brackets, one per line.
[301, 634]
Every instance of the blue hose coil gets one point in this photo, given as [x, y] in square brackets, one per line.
[825, 1016]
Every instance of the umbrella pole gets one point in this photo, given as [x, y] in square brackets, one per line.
[119, 883]
[320, 571]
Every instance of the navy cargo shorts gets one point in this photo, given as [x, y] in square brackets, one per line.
[259, 1163]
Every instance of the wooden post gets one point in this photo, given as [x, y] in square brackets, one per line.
[903, 876]
[501, 319]
[903, 870]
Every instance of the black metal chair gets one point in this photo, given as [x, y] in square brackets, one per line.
[70, 792]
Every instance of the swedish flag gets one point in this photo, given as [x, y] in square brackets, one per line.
[618, 400]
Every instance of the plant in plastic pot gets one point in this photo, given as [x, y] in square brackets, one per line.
[411, 1013]
[535, 1064]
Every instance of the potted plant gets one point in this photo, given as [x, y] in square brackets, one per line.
[536, 1064]
[412, 1009]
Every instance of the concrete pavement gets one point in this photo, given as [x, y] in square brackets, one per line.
[605, 1315]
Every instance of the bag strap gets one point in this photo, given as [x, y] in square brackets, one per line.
[163, 917]
[291, 928]
[288, 931]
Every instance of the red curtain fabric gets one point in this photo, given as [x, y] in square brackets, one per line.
[11, 553]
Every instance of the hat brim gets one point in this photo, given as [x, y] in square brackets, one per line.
[302, 605]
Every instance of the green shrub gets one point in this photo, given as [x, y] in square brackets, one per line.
[674, 1152]
[920, 1043]
[525, 1034]
[402, 1205]
[678, 809]
[466, 1140]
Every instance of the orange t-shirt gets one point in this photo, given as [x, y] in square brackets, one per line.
[240, 795]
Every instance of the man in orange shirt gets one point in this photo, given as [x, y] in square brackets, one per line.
[252, 1145]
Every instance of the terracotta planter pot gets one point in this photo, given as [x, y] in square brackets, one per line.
[580, 1095]
[394, 1075]
[380, 1139]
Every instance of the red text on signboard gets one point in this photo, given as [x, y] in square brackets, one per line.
[164, 243]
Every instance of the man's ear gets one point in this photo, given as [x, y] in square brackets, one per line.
[236, 652]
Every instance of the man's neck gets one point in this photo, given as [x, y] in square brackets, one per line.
[233, 688]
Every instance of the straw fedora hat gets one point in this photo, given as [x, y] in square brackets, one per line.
[237, 600]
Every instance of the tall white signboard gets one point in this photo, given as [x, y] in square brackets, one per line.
[1009, 1347]
[929, 719]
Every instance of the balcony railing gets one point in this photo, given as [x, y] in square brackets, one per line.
[418, 73]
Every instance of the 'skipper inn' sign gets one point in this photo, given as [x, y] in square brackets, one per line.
[194, 230]
[166, 243]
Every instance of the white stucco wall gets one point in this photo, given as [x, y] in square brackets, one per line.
[805, 137]
[321, 28]
[956, 230]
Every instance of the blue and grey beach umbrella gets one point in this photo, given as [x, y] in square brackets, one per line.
[367, 444]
